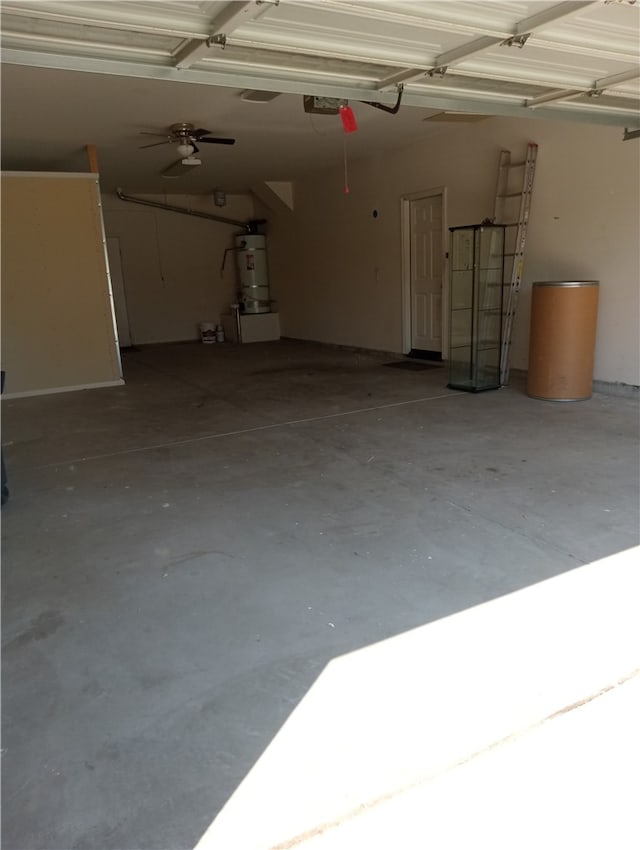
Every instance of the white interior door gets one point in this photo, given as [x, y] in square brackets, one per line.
[119, 296]
[426, 270]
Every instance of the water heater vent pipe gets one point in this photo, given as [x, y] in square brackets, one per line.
[248, 226]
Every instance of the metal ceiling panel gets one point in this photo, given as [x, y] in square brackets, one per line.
[342, 45]
[549, 68]
[184, 19]
[236, 58]
[19, 30]
[469, 85]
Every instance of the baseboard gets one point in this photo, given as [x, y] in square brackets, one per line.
[616, 389]
[138, 346]
[55, 390]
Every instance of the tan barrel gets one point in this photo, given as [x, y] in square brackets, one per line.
[562, 339]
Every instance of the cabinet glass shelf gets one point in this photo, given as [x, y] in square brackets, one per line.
[476, 293]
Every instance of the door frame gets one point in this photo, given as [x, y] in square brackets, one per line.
[405, 219]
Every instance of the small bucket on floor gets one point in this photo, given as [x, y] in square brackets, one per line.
[208, 332]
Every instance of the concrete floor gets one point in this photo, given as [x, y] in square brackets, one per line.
[183, 556]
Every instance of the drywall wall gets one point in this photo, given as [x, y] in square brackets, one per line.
[337, 271]
[171, 263]
[57, 320]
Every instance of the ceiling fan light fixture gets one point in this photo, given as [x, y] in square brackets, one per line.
[185, 149]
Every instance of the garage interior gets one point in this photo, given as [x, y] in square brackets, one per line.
[299, 592]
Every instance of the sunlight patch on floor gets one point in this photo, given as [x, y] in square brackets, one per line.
[429, 732]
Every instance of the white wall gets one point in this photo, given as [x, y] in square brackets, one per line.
[336, 271]
[171, 263]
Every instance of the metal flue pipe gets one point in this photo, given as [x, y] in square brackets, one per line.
[248, 226]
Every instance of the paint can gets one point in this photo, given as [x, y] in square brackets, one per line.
[208, 332]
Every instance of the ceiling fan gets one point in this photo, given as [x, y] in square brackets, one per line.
[187, 138]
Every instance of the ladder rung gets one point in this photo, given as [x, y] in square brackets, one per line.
[513, 164]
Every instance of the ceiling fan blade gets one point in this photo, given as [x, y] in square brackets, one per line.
[200, 132]
[211, 141]
[155, 144]
[151, 133]
[196, 149]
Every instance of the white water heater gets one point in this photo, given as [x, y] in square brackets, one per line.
[251, 258]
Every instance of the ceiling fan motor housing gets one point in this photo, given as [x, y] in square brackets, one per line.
[183, 130]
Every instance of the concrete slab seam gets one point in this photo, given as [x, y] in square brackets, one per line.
[241, 431]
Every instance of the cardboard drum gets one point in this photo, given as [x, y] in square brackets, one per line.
[562, 340]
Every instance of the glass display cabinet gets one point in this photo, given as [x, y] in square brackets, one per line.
[475, 303]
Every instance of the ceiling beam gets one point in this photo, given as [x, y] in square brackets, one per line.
[190, 52]
[595, 90]
[518, 36]
[552, 96]
[616, 79]
[233, 16]
[399, 77]
[548, 16]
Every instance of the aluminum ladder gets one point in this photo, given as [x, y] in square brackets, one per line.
[513, 272]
